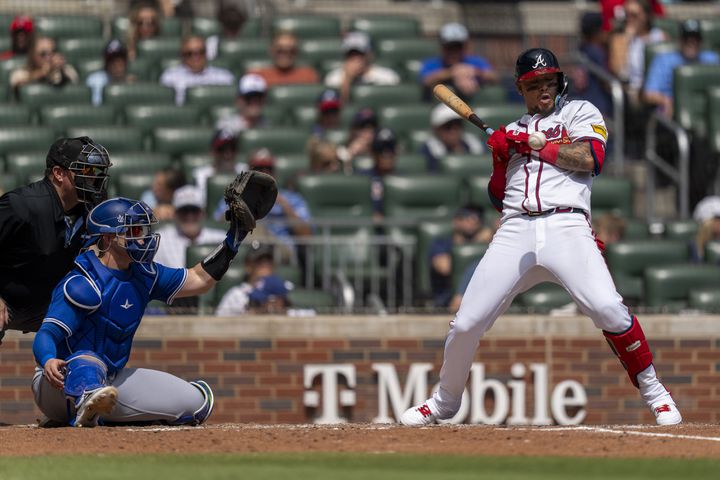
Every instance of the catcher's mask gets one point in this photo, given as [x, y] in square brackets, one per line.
[131, 220]
[540, 61]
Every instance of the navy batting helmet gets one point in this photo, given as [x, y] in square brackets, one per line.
[540, 61]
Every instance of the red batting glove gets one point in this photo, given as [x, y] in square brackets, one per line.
[518, 141]
[498, 144]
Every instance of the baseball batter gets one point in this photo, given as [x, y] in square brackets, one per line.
[545, 235]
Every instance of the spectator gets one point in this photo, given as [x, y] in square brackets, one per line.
[384, 152]
[160, 195]
[468, 227]
[115, 71]
[231, 18]
[284, 70]
[323, 156]
[707, 208]
[194, 70]
[328, 112]
[709, 231]
[449, 137]
[262, 291]
[322, 153]
[609, 228]
[21, 36]
[188, 228]
[627, 47]
[249, 103]
[455, 66]
[659, 83]
[144, 24]
[224, 150]
[358, 69]
[362, 132]
[612, 12]
[587, 86]
[44, 65]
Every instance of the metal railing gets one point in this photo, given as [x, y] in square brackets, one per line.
[680, 175]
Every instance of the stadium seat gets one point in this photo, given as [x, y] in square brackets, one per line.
[710, 28]
[338, 136]
[5, 42]
[490, 95]
[477, 192]
[416, 138]
[404, 118]
[244, 48]
[189, 162]
[670, 286]
[387, 26]
[205, 26]
[209, 96]
[291, 273]
[670, 26]
[216, 185]
[303, 116]
[130, 185]
[62, 117]
[706, 299]
[316, 50]
[76, 49]
[122, 94]
[612, 194]
[635, 230]
[9, 181]
[148, 117]
[159, 48]
[410, 164]
[713, 119]
[685, 230]
[307, 26]
[377, 96]
[26, 165]
[496, 115]
[427, 232]
[169, 27]
[545, 296]
[712, 252]
[287, 168]
[36, 95]
[403, 49]
[69, 26]
[691, 83]
[196, 253]
[4, 91]
[467, 165]
[114, 138]
[15, 115]
[180, 140]
[290, 96]
[421, 196]
[26, 139]
[318, 300]
[336, 196]
[7, 66]
[462, 256]
[138, 162]
[279, 140]
[654, 49]
[86, 66]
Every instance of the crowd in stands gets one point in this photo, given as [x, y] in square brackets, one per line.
[345, 136]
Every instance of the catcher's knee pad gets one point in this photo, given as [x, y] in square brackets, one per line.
[200, 415]
[632, 349]
[85, 372]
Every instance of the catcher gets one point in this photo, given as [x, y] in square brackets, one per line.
[85, 340]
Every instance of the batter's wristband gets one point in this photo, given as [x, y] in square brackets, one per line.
[218, 262]
[549, 153]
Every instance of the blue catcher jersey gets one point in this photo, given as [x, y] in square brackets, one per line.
[100, 308]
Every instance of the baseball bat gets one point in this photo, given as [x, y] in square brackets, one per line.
[446, 96]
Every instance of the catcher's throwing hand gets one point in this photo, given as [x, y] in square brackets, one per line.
[53, 371]
[249, 197]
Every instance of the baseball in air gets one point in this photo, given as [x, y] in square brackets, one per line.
[537, 140]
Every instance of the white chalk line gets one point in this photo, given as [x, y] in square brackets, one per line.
[624, 432]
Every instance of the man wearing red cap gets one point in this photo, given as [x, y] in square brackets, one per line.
[21, 34]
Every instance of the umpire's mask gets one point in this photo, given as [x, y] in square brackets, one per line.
[89, 162]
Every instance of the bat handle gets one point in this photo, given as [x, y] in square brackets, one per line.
[475, 120]
[489, 131]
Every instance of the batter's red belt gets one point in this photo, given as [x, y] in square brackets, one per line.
[554, 210]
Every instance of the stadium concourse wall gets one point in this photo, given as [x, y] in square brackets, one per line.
[530, 369]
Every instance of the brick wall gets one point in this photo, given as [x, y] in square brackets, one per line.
[260, 379]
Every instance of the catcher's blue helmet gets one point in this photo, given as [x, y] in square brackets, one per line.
[130, 220]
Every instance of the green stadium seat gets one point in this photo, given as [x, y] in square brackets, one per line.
[145, 70]
[712, 252]
[209, 96]
[159, 48]
[69, 26]
[15, 115]
[169, 27]
[291, 273]
[288, 167]
[544, 297]
[26, 139]
[421, 196]
[4, 92]
[148, 117]
[403, 49]
[706, 299]
[304, 116]
[180, 140]
[75, 49]
[114, 138]
[9, 181]
[491, 95]
[427, 232]
[316, 50]
[194, 254]
[307, 26]
[138, 163]
[244, 48]
[713, 120]
[377, 96]
[670, 26]
[123, 94]
[477, 192]
[467, 165]
[410, 164]
[215, 189]
[86, 66]
[318, 300]
[62, 117]
[710, 28]
[685, 230]
[387, 26]
[5, 43]
[188, 163]
[336, 196]
[279, 140]
[205, 26]
[130, 185]
[36, 95]
[690, 103]
[7, 66]
[635, 230]
[462, 257]
[415, 139]
[362, 163]
[26, 165]
[290, 96]
[338, 136]
[611, 194]
[670, 286]
[405, 118]
[496, 115]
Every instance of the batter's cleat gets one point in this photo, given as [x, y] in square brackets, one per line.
[420, 415]
[666, 413]
[95, 404]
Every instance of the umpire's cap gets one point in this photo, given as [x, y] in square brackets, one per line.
[65, 151]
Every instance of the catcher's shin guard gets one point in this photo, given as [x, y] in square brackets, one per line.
[203, 413]
[632, 349]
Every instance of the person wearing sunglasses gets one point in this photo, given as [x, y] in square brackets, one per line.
[448, 137]
[285, 69]
[194, 70]
[144, 24]
[44, 65]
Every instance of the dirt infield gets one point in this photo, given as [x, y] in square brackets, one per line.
[686, 441]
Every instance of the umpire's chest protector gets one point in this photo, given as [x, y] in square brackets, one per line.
[112, 326]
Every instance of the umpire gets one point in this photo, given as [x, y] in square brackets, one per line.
[42, 227]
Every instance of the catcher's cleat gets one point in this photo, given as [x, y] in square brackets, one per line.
[93, 405]
[420, 415]
[666, 412]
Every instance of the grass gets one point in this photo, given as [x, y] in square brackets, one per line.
[328, 466]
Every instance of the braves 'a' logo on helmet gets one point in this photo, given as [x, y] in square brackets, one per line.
[539, 61]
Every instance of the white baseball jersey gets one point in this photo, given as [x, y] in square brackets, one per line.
[535, 186]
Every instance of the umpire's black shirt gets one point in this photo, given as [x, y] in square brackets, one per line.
[34, 253]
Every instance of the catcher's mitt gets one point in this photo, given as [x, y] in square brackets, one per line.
[249, 198]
